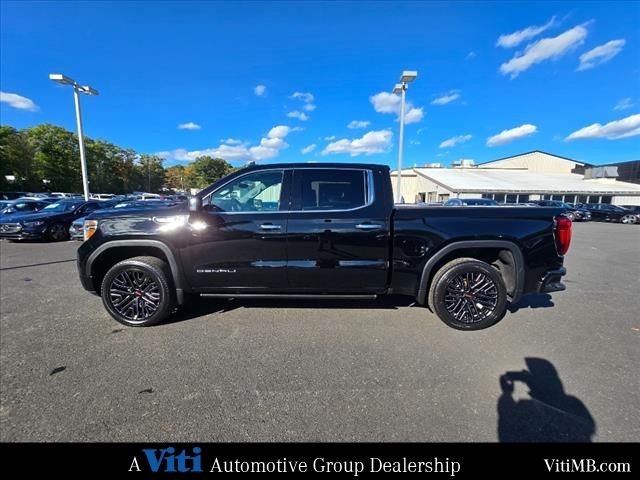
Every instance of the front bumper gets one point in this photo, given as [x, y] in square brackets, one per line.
[21, 234]
[551, 281]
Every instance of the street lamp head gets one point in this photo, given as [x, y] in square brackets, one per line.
[397, 89]
[88, 90]
[408, 76]
[62, 79]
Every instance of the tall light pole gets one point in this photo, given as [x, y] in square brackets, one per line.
[77, 90]
[401, 89]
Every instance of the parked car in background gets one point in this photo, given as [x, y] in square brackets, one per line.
[51, 223]
[76, 230]
[476, 202]
[102, 196]
[12, 195]
[635, 209]
[575, 213]
[603, 212]
[21, 206]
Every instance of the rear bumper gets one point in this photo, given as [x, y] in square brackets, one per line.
[551, 282]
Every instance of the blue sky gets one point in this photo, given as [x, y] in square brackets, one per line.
[284, 81]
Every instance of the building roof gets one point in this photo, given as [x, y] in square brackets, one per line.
[472, 180]
[535, 151]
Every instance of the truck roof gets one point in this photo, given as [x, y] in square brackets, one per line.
[371, 166]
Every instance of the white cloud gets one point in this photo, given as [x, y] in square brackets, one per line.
[507, 136]
[231, 141]
[414, 142]
[260, 90]
[308, 149]
[601, 54]
[234, 150]
[624, 104]
[471, 55]
[280, 131]
[371, 142]
[299, 115]
[545, 49]
[516, 38]
[446, 98]
[453, 141]
[330, 138]
[18, 101]
[307, 99]
[359, 124]
[385, 102]
[625, 127]
[303, 96]
[189, 126]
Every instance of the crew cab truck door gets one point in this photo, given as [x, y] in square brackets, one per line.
[338, 235]
[238, 240]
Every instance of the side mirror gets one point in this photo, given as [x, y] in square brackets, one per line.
[195, 204]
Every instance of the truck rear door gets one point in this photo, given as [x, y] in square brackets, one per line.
[338, 235]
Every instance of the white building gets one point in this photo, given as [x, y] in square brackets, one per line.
[529, 176]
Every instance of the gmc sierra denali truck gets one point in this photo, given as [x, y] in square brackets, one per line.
[325, 232]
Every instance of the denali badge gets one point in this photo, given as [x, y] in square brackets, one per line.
[215, 270]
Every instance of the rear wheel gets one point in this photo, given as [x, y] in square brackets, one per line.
[631, 219]
[57, 232]
[468, 294]
[138, 291]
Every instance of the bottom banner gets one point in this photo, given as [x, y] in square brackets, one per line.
[458, 460]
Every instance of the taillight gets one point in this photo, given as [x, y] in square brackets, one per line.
[563, 234]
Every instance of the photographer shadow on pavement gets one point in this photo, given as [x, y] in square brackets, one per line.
[548, 415]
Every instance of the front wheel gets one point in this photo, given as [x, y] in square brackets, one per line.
[468, 294]
[137, 292]
[57, 232]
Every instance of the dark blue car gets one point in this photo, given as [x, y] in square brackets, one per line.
[51, 223]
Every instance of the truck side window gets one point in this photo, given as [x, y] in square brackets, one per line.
[254, 192]
[332, 189]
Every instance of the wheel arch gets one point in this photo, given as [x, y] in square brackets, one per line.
[110, 253]
[510, 257]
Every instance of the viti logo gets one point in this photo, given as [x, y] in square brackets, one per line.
[167, 460]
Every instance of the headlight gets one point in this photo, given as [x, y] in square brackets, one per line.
[37, 223]
[90, 227]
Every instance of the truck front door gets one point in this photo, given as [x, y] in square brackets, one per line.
[238, 241]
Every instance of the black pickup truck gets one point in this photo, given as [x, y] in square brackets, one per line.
[322, 232]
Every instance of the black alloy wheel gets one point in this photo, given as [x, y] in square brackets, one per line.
[468, 294]
[57, 232]
[137, 292]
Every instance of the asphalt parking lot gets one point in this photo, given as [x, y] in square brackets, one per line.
[268, 371]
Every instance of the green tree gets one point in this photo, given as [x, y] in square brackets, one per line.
[56, 157]
[175, 177]
[16, 158]
[209, 170]
[151, 173]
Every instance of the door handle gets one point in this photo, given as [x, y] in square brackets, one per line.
[368, 226]
[270, 226]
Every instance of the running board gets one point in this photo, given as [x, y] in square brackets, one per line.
[290, 296]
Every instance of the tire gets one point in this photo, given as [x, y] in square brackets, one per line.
[629, 219]
[139, 292]
[455, 300]
[57, 232]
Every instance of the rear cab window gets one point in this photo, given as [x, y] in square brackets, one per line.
[330, 189]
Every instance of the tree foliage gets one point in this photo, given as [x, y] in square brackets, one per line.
[51, 153]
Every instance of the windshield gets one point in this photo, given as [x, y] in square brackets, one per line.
[61, 207]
